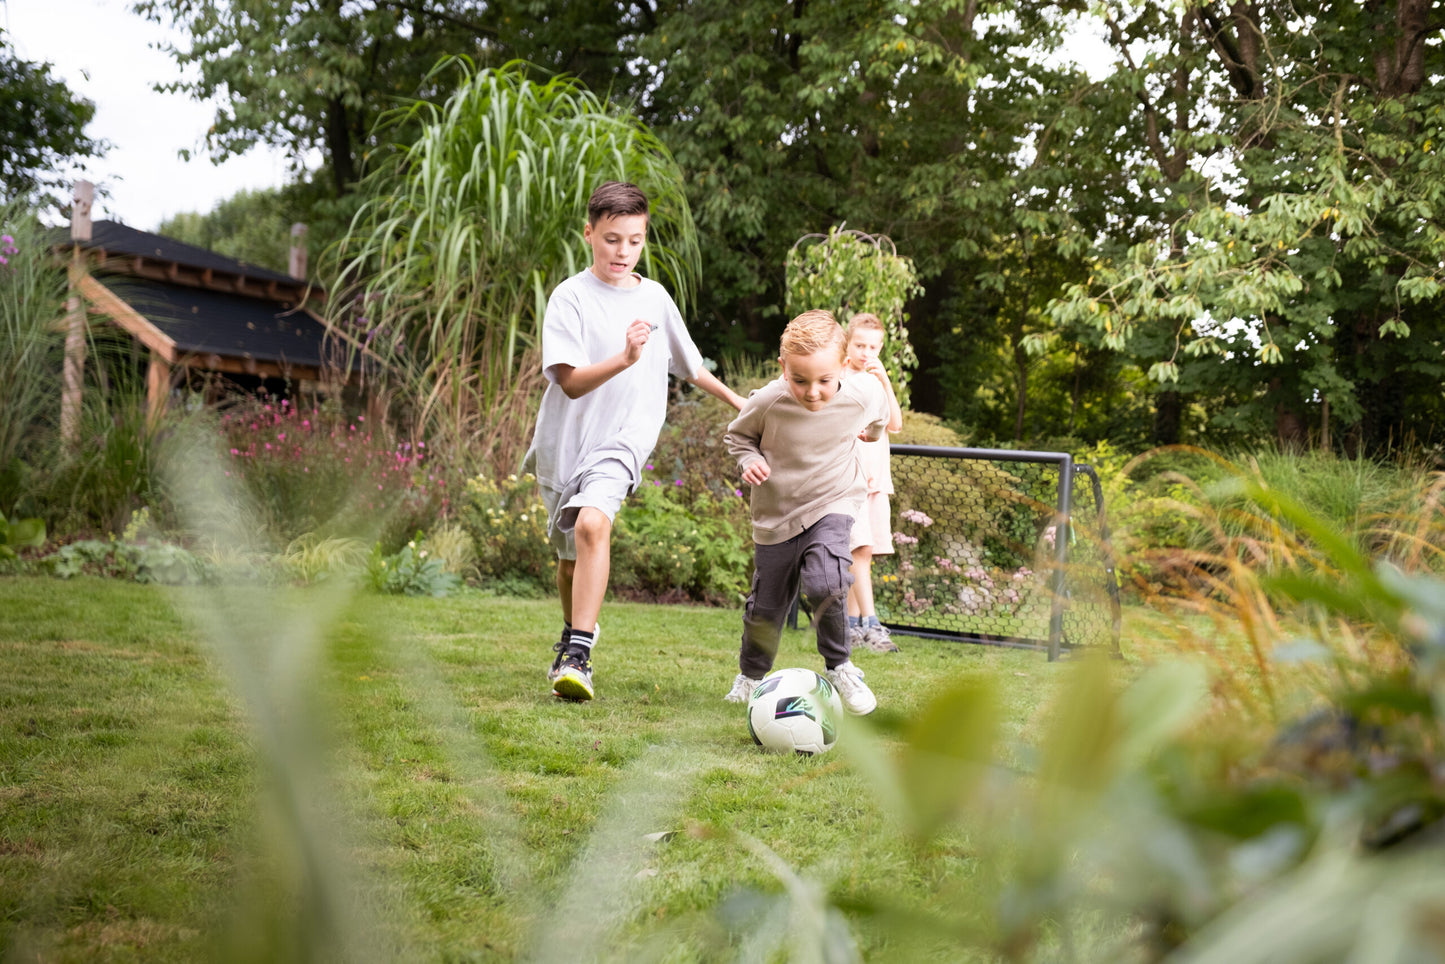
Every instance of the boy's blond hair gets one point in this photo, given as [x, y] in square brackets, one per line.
[865, 321]
[813, 331]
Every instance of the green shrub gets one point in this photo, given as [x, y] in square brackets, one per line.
[665, 546]
[507, 524]
[315, 558]
[162, 563]
[32, 295]
[413, 571]
[920, 428]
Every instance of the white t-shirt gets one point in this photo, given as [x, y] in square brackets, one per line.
[586, 322]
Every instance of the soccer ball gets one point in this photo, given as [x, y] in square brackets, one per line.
[794, 711]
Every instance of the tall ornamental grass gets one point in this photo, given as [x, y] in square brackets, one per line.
[444, 275]
[32, 301]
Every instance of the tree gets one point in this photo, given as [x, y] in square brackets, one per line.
[42, 132]
[310, 76]
[250, 226]
[919, 121]
[1299, 262]
[444, 278]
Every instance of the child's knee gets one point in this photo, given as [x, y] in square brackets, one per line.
[593, 528]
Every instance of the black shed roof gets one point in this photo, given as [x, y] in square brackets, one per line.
[204, 322]
[114, 238]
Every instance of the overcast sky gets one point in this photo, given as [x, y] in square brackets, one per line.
[104, 53]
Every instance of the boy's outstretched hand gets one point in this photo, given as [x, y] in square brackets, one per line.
[757, 473]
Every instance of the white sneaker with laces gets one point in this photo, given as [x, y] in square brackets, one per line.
[857, 698]
[742, 689]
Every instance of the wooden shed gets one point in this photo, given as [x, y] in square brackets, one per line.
[193, 310]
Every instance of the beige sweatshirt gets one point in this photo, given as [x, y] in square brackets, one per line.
[810, 455]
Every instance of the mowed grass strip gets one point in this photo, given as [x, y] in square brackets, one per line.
[477, 817]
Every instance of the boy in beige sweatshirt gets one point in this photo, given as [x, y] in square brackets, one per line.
[794, 441]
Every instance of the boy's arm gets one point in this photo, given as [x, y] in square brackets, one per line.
[895, 412]
[744, 443]
[576, 382]
[880, 406]
[710, 383]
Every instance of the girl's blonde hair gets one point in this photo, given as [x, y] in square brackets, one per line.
[864, 321]
[813, 331]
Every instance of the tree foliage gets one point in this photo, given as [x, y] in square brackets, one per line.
[1297, 259]
[1242, 204]
[250, 226]
[42, 132]
[310, 77]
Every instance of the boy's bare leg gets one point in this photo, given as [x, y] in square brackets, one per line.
[565, 570]
[860, 596]
[588, 578]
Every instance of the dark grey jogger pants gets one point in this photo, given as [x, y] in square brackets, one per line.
[818, 560]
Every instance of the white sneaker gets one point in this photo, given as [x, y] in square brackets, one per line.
[742, 689]
[878, 639]
[857, 698]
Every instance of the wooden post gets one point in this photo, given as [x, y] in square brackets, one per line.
[158, 388]
[297, 263]
[73, 371]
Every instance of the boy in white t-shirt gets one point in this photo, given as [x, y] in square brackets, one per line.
[610, 339]
[795, 442]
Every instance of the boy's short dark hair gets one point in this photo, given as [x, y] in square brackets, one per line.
[615, 199]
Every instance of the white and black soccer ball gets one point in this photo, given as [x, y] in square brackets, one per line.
[795, 711]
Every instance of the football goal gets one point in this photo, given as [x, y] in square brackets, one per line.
[1002, 547]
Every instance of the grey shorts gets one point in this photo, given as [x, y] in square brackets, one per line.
[603, 486]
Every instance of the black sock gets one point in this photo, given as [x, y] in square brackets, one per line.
[577, 637]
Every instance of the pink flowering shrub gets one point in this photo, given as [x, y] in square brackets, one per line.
[950, 575]
[310, 468]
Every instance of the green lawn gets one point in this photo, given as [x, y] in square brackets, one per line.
[262, 775]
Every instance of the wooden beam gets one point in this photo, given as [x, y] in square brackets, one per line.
[173, 272]
[108, 303]
[250, 366]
